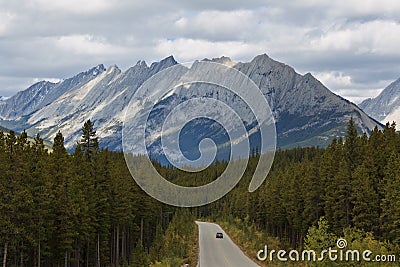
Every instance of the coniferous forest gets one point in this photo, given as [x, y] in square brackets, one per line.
[84, 208]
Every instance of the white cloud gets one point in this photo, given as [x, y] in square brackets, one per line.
[334, 79]
[191, 49]
[352, 46]
[344, 85]
[73, 6]
[217, 25]
[87, 45]
[6, 18]
[365, 7]
[348, 9]
[376, 37]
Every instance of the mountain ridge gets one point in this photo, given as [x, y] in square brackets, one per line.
[304, 109]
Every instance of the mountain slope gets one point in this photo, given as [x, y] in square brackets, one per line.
[386, 106]
[303, 107]
[306, 112]
[43, 93]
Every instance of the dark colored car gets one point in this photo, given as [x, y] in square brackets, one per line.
[219, 235]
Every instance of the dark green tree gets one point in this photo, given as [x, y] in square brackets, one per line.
[58, 145]
[390, 217]
[352, 147]
[89, 142]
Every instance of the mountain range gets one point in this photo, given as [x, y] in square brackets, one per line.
[305, 111]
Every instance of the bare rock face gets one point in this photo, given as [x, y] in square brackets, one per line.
[386, 106]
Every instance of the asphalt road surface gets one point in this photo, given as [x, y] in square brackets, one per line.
[216, 252]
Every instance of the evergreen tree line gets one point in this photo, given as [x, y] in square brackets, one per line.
[79, 209]
[84, 209]
[353, 183]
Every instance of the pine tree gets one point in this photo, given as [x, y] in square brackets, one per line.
[339, 194]
[352, 147]
[23, 142]
[89, 141]
[58, 145]
[64, 210]
[40, 221]
[366, 200]
[390, 138]
[390, 217]
[338, 199]
[38, 145]
[101, 201]
[11, 141]
[365, 196]
[5, 209]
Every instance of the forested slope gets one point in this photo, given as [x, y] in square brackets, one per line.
[85, 209]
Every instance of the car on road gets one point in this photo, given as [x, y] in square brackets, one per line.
[219, 235]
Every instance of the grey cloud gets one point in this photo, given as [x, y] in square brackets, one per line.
[123, 32]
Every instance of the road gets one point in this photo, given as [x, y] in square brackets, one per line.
[219, 252]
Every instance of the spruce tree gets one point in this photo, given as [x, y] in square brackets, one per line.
[65, 211]
[390, 217]
[366, 200]
[38, 145]
[89, 142]
[40, 221]
[58, 145]
[351, 147]
[10, 143]
[23, 142]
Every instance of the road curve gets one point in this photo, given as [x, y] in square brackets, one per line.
[219, 252]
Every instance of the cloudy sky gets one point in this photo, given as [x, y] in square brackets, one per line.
[351, 46]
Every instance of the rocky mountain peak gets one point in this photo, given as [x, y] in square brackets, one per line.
[113, 69]
[222, 60]
[386, 106]
[96, 70]
[163, 64]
